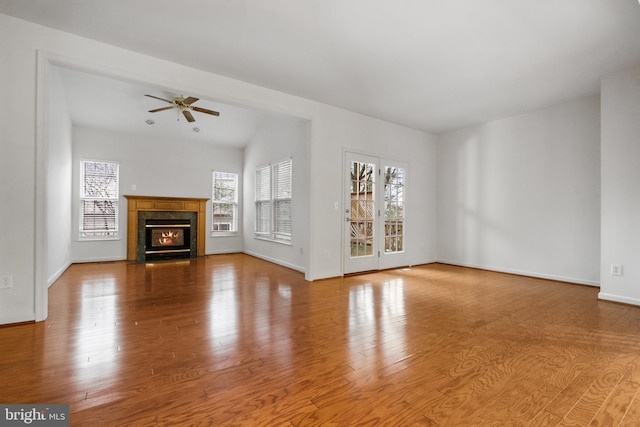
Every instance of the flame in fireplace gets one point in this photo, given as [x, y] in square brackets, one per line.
[169, 237]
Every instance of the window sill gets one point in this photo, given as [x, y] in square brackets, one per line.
[97, 239]
[225, 234]
[268, 239]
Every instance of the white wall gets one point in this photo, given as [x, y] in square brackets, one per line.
[335, 131]
[157, 167]
[17, 173]
[621, 185]
[332, 130]
[279, 139]
[58, 180]
[522, 194]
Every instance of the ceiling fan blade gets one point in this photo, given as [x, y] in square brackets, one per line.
[190, 100]
[188, 115]
[161, 99]
[161, 109]
[204, 110]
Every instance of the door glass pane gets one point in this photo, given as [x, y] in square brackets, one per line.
[362, 208]
[394, 181]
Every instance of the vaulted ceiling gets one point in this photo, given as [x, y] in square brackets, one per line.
[433, 65]
[99, 102]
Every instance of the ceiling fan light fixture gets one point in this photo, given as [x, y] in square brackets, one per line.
[196, 129]
[150, 122]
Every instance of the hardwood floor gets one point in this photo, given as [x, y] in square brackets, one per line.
[233, 340]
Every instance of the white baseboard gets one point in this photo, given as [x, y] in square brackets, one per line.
[7, 319]
[425, 262]
[224, 252]
[617, 298]
[55, 276]
[525, 273]
[276, 261]
[86, 260]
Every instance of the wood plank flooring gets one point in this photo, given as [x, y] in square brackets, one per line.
[230, 340]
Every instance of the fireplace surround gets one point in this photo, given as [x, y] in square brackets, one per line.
[165, 227]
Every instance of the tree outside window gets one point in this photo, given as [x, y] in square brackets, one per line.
[394, 185]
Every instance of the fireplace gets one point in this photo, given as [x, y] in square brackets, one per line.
[165, 227]
[166, 235]
[167, 238]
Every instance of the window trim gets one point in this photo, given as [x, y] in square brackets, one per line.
[82, 198]
[236, 209]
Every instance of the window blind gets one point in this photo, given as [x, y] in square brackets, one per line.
[263, 200]
[282, 175]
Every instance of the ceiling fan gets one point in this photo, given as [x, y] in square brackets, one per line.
[184, 105]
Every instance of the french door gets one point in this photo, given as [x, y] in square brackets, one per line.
[375, 208]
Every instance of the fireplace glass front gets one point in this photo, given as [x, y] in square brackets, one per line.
[167, 238]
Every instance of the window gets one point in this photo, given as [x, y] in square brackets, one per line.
[225, 202]
[98, 199]
[263, 201]
[273, 201]
[393, 209]
[282, 200]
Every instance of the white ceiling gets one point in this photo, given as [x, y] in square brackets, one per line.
[98, 102]
[433, 65]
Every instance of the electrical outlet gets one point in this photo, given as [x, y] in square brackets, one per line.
[5, 281]
[616, 270]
